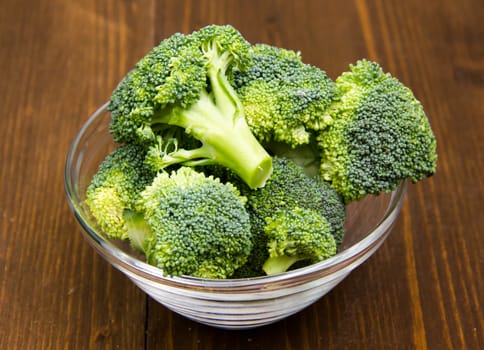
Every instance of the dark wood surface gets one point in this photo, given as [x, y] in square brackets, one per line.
[60, 60]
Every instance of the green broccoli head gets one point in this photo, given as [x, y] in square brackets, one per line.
[288, 188]
[168, 74]
[200, 225]
[299, 234]
[379, 135]
[113, 192]
[283, 97]
[185, 82]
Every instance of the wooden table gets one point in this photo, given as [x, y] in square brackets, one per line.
[60, 60]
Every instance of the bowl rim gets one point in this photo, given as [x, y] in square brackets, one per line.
[131, 264]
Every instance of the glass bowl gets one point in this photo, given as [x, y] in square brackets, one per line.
[231, 303]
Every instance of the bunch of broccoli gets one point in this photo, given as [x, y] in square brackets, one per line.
[237, 160]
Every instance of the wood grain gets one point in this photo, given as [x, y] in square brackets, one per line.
[61, 59]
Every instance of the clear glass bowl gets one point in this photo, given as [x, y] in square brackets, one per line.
[232, 303]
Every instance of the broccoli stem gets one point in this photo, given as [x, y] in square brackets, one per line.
[223, 93]
[226, 139]
[279, 264]
[139, 231]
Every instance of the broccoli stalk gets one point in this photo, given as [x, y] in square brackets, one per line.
[225, 141]
[138, 230]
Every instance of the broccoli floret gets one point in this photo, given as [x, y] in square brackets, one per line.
[287, 189]
[113, 192]
[283, 97]
[185, 82]
[379, 134]
[297, 235]
[199, 226]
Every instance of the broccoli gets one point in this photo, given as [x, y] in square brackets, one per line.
[297, 235]
[379, 134]
[199, 225]
[112, 195]
[237, 160]
[283, 97]
[185, 82]
[287, 189]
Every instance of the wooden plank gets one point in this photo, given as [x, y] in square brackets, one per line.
[60, 61]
